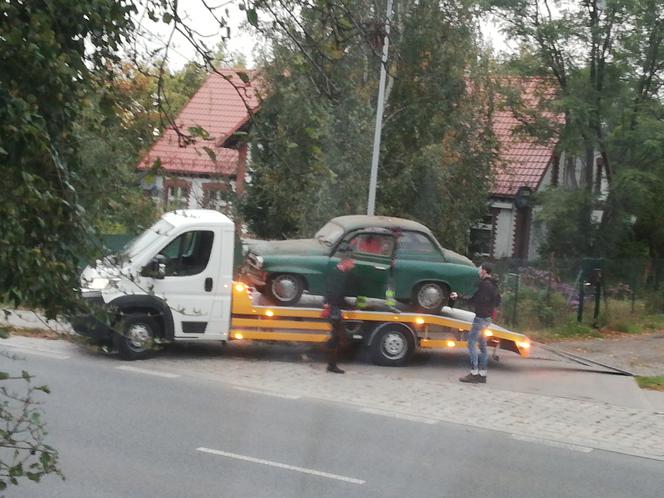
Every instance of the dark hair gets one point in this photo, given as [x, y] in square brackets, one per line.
[487, 268]
[345, 250]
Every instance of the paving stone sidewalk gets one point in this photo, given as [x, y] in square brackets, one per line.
[582, 423]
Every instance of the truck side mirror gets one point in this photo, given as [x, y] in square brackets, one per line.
[156, 268]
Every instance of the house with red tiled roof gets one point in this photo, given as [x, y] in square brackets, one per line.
[201, 172]
[526, 165]
[201, 158]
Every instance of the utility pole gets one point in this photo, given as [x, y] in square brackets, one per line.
[371, 206]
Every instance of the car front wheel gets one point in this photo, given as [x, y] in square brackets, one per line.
[430, 297]
[285, 289]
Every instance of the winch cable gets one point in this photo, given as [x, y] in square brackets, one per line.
[583, 361]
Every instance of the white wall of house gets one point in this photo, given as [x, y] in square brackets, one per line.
[504, 226]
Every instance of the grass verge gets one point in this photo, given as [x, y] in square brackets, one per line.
[655, 383]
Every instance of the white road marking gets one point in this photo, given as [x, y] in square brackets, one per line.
[282, 465]
[567, 446]
[148, 372]
[38, 352]
[267, 393]
[400, 416]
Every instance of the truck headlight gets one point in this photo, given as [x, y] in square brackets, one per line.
[99, 283]
[259, 261]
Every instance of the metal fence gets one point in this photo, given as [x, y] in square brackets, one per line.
[549, 292]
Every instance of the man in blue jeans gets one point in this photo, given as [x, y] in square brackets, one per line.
[484, 301]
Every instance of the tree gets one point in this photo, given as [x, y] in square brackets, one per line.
[312, 139]
[141, 100]
[52, 54]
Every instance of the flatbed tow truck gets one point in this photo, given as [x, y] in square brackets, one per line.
[174, 283]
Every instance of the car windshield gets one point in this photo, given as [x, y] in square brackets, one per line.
[137, 244]
[330, 233]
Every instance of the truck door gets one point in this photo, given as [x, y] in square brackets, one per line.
[190, 276]
[372, 253]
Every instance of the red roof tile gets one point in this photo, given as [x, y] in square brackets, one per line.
[220, 108]
[523, 159]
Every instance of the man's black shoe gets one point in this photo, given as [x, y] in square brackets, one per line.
[472, 379]
[482, 379]
[335, 369]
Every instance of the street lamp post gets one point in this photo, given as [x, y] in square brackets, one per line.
[371, 205]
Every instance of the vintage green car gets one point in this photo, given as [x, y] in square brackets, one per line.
[389, 252]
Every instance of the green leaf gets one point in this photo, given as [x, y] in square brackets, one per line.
[252, 17]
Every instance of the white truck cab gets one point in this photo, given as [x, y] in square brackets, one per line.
[177, 274]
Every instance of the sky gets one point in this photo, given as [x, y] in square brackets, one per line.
[241, 40]
[195, 14]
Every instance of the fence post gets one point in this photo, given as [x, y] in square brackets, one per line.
[548, 284]
[582, 298]
[597, 298]
[516, 298]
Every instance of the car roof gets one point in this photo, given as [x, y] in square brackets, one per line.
[357, 221]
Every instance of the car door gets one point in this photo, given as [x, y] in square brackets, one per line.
[372, 252]
[190, 279]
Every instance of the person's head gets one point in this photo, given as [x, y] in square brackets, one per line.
[345, 253]
[486, 271]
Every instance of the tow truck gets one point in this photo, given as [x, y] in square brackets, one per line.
[174, 283]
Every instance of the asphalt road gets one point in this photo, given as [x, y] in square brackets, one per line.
[124, 432]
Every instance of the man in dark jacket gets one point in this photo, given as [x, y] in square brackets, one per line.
[484, 302]
[335, 298]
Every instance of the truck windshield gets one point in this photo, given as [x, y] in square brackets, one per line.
[137, 244]
[330, 233]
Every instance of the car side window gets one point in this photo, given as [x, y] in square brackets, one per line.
[373, 244]
[418, 245]
[189, 253]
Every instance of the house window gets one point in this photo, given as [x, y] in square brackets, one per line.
[176, 194]
[215, 196]
[481, 238]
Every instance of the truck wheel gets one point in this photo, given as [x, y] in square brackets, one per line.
[430, 297]
[136, 338]
[285, 289]
[392, 345]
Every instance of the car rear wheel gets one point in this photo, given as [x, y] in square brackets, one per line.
[430, 297]
[285, 289]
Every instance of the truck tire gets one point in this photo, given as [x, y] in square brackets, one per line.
[392, 345]
[285, 289]
[135, 340]
[430, 297]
